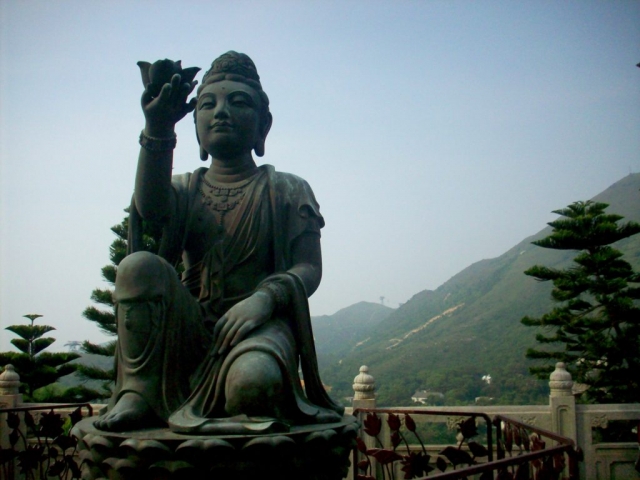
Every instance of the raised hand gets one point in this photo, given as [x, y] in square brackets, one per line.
[166, 109]
[241, 319]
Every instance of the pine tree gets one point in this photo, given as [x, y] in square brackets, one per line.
[106, 319]
[37, 368]
[597, 319]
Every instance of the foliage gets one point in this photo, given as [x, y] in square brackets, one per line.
[453, 352]
[105, 319]
[401, 457]
[51, 455]
[36, 367]
[415, 464]
[63, 394]
[450, 353]
[597, 317]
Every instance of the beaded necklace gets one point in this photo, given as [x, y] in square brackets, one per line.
[222, 200]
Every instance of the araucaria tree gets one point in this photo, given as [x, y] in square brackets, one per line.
[36, 368]
[106, 319]
[597, 319]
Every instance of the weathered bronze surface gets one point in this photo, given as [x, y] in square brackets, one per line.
[311, 452]
[218, 351]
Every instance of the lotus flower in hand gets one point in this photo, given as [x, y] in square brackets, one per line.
[156, 75]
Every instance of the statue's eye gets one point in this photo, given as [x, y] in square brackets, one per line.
[206, 105]
[240, 100]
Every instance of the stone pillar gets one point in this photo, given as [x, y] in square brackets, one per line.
[9, 398]
[364, 386]
[562, 403]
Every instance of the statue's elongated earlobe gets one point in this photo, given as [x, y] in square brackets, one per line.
[204, 155]
[259, 147]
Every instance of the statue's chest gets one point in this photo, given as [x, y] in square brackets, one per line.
[233, 221]
[208, 226]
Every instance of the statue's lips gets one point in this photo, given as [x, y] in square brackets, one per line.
[221, 127]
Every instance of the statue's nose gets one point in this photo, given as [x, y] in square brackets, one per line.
[222, 110]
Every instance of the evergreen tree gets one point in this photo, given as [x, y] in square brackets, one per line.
[597, 319]
[37, 368]
[106, 319]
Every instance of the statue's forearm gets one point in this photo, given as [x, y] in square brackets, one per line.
[309, 274]
[153, 179]
[307, 261]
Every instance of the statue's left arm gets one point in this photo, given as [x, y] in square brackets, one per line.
[307, 260]
[297, 224]
[255, 310]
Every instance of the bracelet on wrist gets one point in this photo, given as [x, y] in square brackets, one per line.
[154, 144]
[277, 292]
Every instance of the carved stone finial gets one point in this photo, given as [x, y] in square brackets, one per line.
[9, 381]
[364, 385]
[560, 381]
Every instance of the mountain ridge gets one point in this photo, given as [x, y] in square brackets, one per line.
[481, 332]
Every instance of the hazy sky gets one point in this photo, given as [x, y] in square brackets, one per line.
[434, 133]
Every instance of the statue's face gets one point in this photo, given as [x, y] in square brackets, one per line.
[228, 118]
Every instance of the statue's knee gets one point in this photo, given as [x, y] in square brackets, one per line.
[141, 275]
[140, 288]
[253, 385]
[254, 371]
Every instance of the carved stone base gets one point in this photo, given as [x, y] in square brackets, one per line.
[313, 452]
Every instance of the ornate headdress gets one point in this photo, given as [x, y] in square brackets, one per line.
[237, 67]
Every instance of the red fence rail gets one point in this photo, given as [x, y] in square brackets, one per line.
[40, 443]
[521, 451]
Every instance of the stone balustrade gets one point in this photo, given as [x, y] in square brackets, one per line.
[584, 424]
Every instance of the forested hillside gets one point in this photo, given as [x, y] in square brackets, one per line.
[335, 335]
[446, 340]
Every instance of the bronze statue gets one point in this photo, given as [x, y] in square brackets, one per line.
[219, 350]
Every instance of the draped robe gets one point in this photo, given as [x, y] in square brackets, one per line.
[224, 267]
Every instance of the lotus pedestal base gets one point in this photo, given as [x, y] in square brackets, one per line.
[313, 452]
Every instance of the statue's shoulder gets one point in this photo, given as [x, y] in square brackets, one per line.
[183, 181]
[185, 188]
[287, 183]
[293, 192]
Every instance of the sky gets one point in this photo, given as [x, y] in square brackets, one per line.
[434, 133]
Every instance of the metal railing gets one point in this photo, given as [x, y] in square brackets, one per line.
[39, 444]
[520, 451]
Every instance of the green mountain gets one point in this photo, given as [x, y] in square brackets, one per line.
[90, 360]
[447, 339]
[336, 335]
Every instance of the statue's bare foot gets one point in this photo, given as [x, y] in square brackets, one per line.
[131, 412]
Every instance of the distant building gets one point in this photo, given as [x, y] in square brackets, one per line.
[426, 397]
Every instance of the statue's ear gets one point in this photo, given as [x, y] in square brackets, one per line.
[259, 146]
[204, 155]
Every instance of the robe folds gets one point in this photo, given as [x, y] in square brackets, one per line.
[276, 209]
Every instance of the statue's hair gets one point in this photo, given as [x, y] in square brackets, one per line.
[237, 67]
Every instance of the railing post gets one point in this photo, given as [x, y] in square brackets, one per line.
[10, 397]
[562, 403]
[364, 387]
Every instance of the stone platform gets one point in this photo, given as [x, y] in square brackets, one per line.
[313, 452]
